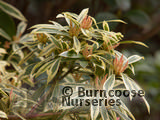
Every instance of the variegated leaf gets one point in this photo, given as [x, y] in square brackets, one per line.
[11, 10]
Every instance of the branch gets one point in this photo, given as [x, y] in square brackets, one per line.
[45, 95]
[14, 117]
[69, 71]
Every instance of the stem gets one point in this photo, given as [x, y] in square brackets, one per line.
[14, 117]
[42, 99]
[69, 71]
[31, 116]
[53, 84]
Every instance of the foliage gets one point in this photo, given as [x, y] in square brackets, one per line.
[147, 75]
[149, 71]
[12, 11]
[12, 96]
[78, 54]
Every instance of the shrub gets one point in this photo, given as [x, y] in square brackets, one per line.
[78, 54]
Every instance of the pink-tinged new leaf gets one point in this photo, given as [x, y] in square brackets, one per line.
[96, 82]
[86, 23]
[116, 45]
[116, 61]
[125, 66]
[121, 60]
[10, 95]
[103, 80]
[120, 66]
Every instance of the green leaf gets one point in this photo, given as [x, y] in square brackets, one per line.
[3, 64]
[39, 92]
[7, 24]
[58, 26]
[3, 114]
[27, 80]
[12, 54]
[135, 42]
[95, 23]
[134, 58]
[1, 91]
[11, 10]
[109, 83]
[17, 50]
[16, 67]
[103, 58]
[47, 50]
[4, 34]
[138, 17]
[21, 28]
[37, 66]
[113, 114]
[27, 57]
[83, 14]
[123, 116]
[55, 41]
[127, 83]
[99, 65]
[96, 44]
[85, 32]
[3, 106]
[98, 60]
[49, 30]
[147, 104]
[83, 63]
[24, 71]
[99, 71]
[65, 45]
[71, 54]
[76, 44]
[120, 54]
[43, 68]
[131, 67]
[44, 26]
[60, 16]
[73, 15]
[121, 21]
[104, 112]
[26, 38]
[94, 111]
[3, 51]
[137, 88]
[69, 17]
[53, 70]
[106, 26]
[40, 64]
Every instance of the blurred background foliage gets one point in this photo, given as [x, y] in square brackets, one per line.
[142, 16]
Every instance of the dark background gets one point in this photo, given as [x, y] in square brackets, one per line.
[143, 18]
